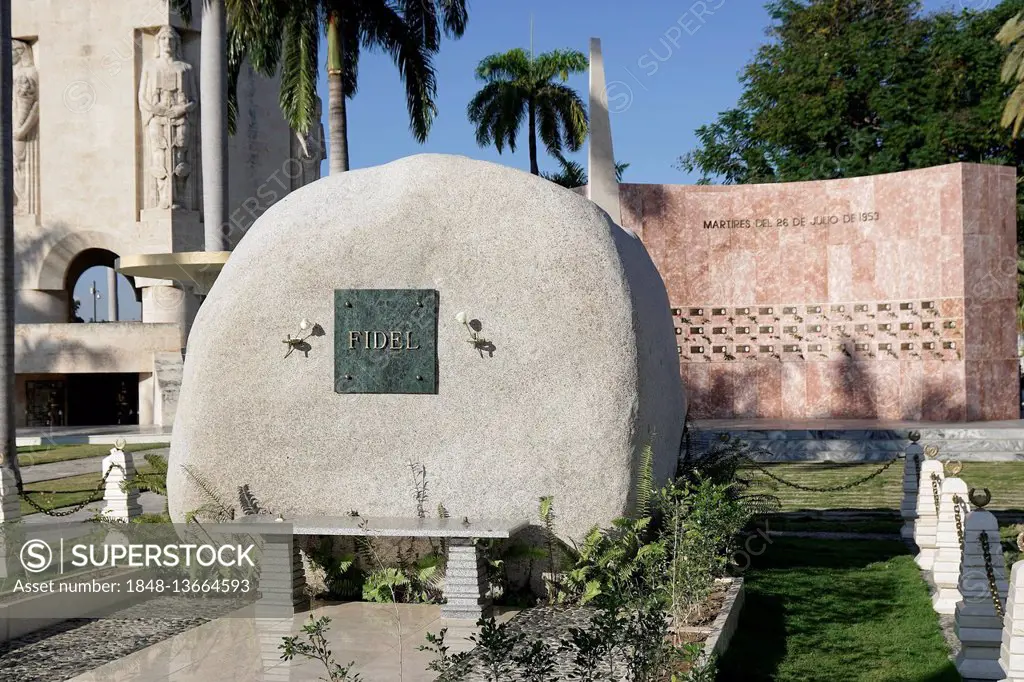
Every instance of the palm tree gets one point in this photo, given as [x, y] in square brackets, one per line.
[1010, 36]
[573, 175]
[213, 124]
[520, 85]
[286, 34]
[8, 450]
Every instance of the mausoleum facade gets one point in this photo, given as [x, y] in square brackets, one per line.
[107, 164]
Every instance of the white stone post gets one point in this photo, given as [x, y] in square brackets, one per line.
[927, 521]
[1011, 651]
[10, 516]
[946, 568]
[465, 581]
[120, 505]
[282, 581]
[978, 624]
[911, 472]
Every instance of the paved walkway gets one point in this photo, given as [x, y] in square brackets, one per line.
[382, 640]
[101, 435]
[73, 467]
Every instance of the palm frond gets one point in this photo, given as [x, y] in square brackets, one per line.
[183, 8]
[513, 65]
[384, 28]
[300, 69]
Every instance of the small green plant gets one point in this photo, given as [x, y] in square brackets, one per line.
[535, 662]
[497, 644]
[343, 580]
[317, 649]
[385, 585]
[592, 649]
[452, 667]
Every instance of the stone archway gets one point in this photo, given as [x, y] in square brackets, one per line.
[82, 263]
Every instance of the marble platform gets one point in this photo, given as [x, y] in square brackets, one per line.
[853, 440]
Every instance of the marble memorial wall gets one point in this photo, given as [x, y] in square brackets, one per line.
[885, 297]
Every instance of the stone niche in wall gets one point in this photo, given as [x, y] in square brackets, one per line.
[883, 297]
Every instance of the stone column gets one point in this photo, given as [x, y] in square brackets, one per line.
[946, 568]
[978, 624]
[926, 524]
[465, 582]
[282, 581]
[119, 505]
[1011, 651]
[112, 295]
[911, 475]
[602, 185]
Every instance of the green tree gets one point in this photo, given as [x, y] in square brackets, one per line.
[847, 88]
[572, 174]
[285, 35]
[518, 85]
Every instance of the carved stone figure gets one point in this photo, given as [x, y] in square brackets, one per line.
[25, 110]
[309, 150]
[167, 101]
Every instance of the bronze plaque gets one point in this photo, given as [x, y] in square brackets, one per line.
[385, 340]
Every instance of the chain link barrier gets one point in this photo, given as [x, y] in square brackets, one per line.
[935, 491]
[957, 502]
[95, 495]
[990, 572]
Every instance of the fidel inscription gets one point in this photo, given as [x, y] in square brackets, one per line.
[385, 341]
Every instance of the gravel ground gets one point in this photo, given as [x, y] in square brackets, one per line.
[73, 647]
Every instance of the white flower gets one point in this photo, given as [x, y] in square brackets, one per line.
[304, 325]
[461, 318]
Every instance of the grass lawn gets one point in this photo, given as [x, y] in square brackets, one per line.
[830, 610]
[1005, 480]
[58, 499]
[45, 454]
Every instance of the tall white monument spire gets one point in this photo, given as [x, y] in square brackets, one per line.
[603, 186]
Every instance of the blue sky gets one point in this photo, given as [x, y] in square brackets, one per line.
[670, 66]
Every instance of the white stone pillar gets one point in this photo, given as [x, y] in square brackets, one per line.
[927, 521]
[120, 505]
[1011, 650]
[911, 473]
[465, 582]
[112, 314]
[946, 568]
[10, 515]
[978, 624]
[282, 579]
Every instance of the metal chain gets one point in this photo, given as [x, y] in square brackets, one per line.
[935, 492]
[78, 507]
[957, 501]
[832, 489]
[993, 590]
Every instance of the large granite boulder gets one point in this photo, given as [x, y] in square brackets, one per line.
[584, 368]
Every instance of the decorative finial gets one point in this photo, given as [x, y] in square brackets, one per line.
[915, 436]
[120, 443]
[931, 451]
[1020, 541]
[979, 498]
[954, 467]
